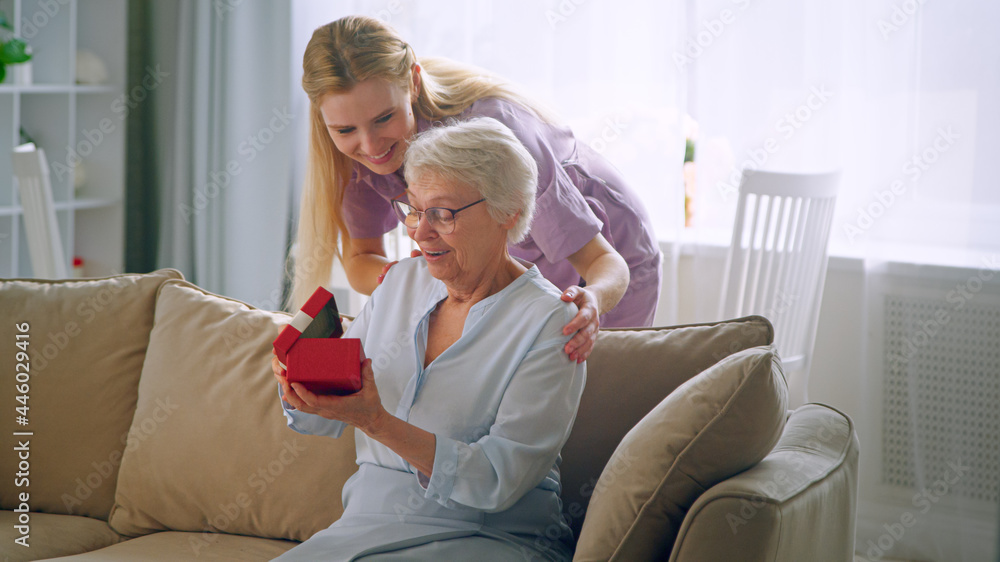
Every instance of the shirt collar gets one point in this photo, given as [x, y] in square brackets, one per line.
[440, 291]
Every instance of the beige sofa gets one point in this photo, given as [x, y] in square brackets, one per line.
[155, 434]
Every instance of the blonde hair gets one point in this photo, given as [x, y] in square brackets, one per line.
[485, 155]
[339, 56]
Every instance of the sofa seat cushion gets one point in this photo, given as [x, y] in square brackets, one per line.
[52, 535]
[715, 425]
[87, 342]
[630, 371]
[173, 546]
[209, 448]
[770, 512]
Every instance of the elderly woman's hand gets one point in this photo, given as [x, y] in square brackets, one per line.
[279, 374]
[585, 323]
[363, 409]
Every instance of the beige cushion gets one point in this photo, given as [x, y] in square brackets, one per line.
[52, 535]
[171, 547]
[717, 424]
[209, 448]
[87, 344]
[628, 374]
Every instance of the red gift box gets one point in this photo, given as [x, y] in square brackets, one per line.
[313, 353]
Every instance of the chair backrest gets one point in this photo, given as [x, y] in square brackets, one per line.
[778, 255]
[32, 172]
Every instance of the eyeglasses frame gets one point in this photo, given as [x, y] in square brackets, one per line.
[420, 214]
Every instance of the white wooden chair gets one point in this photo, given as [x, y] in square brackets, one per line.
[777, 262]
[31, 170]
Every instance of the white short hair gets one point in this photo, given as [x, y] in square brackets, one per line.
[485, 155]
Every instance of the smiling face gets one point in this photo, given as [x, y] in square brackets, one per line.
[477, 248]
[371, 122]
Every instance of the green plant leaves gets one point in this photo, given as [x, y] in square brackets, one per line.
[14, 51]
[689, 150]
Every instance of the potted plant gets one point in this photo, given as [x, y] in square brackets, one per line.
[12, 49]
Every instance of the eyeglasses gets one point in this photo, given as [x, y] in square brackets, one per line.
[441, 219]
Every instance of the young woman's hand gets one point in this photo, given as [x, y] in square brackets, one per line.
[586, 323]
[381, 277]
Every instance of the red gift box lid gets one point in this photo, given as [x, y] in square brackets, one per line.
[318, 318]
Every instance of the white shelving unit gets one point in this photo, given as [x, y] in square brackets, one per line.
[78, 126]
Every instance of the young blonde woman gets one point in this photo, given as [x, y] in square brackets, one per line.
[591, 236]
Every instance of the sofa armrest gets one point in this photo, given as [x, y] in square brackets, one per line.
[799, 503]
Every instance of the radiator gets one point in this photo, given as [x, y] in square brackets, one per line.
[929, 486]
[943, 363]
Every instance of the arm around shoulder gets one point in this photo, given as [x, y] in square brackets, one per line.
[364, 260]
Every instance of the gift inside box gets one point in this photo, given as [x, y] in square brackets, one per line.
[326, 323]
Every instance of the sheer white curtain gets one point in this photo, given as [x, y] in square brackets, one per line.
[223, 137]
[599, 65]
[901, 95]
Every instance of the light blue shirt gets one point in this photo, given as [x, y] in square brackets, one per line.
[500, 401]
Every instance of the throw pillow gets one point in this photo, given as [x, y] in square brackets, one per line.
[630, 371]
[715, 425]
[85, 342]
[209, 450]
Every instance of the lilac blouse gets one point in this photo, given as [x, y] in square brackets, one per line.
[580, 194]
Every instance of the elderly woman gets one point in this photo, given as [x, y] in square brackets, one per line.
[467, 397]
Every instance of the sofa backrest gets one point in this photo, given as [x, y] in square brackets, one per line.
[629, 372]
[86, 343]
